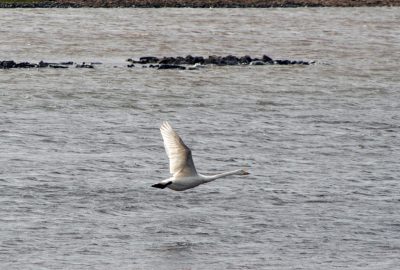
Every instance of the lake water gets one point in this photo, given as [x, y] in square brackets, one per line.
[80, 148]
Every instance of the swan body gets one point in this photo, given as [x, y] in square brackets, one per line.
[181, 166]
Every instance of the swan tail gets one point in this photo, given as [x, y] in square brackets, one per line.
[162, 185]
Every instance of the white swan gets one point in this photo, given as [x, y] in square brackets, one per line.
[181, 166]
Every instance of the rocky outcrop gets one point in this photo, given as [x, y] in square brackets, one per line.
[179, 63]
[84, 65]
[8, 64]
[167, 66]
[230, 60]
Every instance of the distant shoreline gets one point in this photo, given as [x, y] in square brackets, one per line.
[194, 3]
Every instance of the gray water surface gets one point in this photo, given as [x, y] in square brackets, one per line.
[79, 149]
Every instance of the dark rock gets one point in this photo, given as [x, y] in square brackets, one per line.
[282, 62]
[24, 65]
[167, 61]
[214, 60]
[84, 65]
[131, 66]
[69, 63]
[289, 62]
[168, 66]
[43, 64]
[7, 64]
[57, 66]
[198, 60]
[245, 60]
[267, 59]
[180, 61]
[189, 60]
[230, 60]
[154, 66]
[304, 62]
[148, 60]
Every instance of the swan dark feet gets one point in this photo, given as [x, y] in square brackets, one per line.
[161, 185]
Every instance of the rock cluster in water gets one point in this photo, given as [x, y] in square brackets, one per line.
[12, 64]
[191, 62]
[180, 63]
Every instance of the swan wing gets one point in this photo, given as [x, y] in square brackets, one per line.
[180, 156]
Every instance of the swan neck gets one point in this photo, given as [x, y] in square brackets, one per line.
[220, 175]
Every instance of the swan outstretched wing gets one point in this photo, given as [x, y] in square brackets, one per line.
[180, 157]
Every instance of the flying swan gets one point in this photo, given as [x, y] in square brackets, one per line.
[181, 166]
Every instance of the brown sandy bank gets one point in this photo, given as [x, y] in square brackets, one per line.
[197, 3]
[231, 3]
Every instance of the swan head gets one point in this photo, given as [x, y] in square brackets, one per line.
[243, 172]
